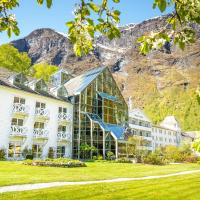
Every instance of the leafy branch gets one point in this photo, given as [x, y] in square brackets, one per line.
[83, 28]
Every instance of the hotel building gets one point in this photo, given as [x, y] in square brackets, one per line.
[34, 116]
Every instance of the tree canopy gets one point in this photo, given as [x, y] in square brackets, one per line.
[82, 29]
[12, 59]
[43, 71]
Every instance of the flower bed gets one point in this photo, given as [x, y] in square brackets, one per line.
[60, 162]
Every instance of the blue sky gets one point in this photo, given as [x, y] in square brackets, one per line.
[30, 16]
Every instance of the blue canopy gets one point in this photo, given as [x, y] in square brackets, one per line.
[107, 96]
[116, 130]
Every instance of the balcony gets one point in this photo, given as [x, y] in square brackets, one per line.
[64, 118]
[42, 114]
[39, 133]
[20, 109]
[18, 131]
[63, 136]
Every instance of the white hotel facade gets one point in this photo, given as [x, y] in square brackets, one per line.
[167, 133]
[33, 117]
[140, 126]
[37, 116]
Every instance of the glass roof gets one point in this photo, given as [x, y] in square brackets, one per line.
[117, 130]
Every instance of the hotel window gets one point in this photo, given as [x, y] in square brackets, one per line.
[41, 86]
[37, 150]
[60, 151]
[19, 100]
[17, 122]
[62, 129]
[39, 125]
[14, 150]
[40, 105]
[62, 110]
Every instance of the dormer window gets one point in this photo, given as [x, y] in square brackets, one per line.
[19, 79]
[62, 92]
[60, 77]
[41, 86]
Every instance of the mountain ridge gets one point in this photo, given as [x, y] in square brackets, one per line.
[162, 83]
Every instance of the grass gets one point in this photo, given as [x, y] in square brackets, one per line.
[16, 173]
[173, 188]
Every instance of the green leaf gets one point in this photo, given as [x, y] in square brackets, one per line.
[116, 1]
[162, 4]
[49, 3]
[70, 24]
[9, 32]
[90, 30]
[40, 2]
[94, 7]
[90, 21]
[101, 20]
[117, 12]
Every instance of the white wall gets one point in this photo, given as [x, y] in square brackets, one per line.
[163, 137]
[6, 104]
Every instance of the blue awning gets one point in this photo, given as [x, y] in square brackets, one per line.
[107, 96]
[116, 130]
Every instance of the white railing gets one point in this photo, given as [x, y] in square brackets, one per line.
[64, 116]
[43, 112]
[40, 133]
[18, 130]
[20, 108]
[63, 135]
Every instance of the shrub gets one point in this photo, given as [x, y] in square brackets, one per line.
[110, 155]
[94, 157]
[123, 160]
[154, 159]
[2, 154]
[60, 162]
[27, 154]
[100, 157]
[192, 159]
[29, 157]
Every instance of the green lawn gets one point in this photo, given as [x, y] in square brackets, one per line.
[174, 188]
[17, 173]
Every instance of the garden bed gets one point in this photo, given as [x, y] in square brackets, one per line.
[60, 162]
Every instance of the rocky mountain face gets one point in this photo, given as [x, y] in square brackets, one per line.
[162, 83]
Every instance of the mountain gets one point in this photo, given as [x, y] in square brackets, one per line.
[162, 83]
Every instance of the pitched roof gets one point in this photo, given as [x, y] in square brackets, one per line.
[170, 122]
[79, 83]
[138, 114]
[5, 75]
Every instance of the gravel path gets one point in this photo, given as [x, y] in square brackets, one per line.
[14, 188]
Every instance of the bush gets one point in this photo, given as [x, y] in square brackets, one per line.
[94, 157]
[123, 160]
[110, 155]
[27, 154]
[154, 159]
[60, 162]
[2, 154]
[192, 159]
[177, 154]
[100, 157]
[29, 157]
